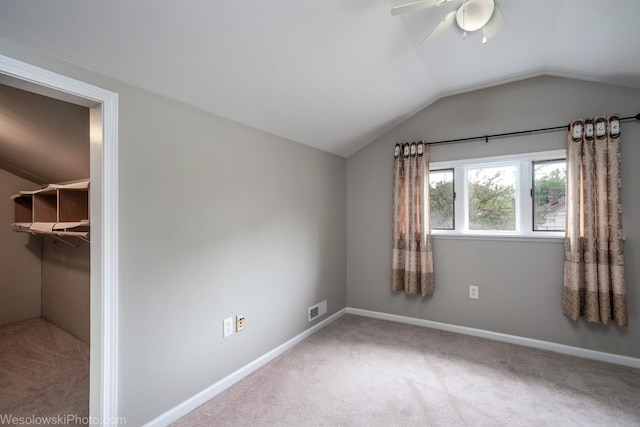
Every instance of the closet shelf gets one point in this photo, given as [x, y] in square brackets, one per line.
[57, 210]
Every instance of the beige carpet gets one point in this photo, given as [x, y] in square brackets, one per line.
[44, 372]
[366, 372]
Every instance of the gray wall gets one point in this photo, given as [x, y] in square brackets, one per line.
[520, 281]
[65, 286]
[19, 258]
[216, 219]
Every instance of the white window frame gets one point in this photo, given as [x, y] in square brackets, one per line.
[524, 200]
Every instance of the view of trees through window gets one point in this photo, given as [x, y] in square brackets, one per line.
[492, 198]
[549, 185]
[441, 199]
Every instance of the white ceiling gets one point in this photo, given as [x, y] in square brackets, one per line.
[332, 74]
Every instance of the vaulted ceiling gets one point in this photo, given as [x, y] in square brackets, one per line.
[332, 74]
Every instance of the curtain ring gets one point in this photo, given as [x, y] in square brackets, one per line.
[588, 129]
[601, 127]
[576, 130]
[614, 126]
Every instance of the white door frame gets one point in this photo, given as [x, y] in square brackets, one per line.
[103, 118]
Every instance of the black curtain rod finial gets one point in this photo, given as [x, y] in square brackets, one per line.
[638, 116]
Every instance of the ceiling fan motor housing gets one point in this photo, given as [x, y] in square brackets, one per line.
[474, 14]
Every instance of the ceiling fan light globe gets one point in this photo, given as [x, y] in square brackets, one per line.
[474, 14]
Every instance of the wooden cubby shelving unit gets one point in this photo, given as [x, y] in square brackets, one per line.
[57, 210]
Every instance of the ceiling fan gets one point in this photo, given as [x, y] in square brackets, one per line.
[472, 15]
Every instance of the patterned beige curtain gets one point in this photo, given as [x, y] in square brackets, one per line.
[412, 264]
[594, 284]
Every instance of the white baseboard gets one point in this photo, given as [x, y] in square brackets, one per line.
[496, 336]
[192, 403]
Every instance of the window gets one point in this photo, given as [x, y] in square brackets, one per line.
[441, 198]
[491, 201]
[519, 195]
[549, 185]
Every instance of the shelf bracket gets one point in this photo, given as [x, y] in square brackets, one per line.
[60, 239]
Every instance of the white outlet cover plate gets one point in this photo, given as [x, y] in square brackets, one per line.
[473, 292]
[227, 327]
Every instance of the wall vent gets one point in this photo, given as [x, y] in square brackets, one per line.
[317, 310]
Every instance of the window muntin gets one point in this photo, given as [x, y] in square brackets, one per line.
[549, 191]
[441, 199]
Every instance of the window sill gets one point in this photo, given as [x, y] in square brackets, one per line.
[505, 238]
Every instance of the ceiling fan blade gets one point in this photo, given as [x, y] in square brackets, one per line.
[442, 27]
[495, 24]
[421, 4]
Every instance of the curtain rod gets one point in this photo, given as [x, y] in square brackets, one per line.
[521, 132]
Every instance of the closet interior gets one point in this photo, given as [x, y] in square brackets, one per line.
[44, 256]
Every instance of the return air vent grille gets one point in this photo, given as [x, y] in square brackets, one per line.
[317, 310]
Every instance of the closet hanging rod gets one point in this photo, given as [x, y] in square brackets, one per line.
[60, 239]
[521, 132]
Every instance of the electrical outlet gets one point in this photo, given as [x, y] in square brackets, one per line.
[239, 322]
[473, 291]
[227, 327]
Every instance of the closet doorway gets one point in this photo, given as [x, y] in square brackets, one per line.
[103, 114]
[45, 281]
